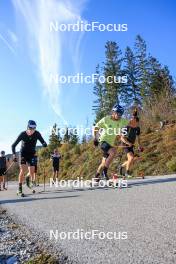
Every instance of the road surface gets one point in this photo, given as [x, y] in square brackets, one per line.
[145, 212]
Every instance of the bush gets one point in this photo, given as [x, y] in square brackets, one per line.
[148, 130]
[157, 118]
[171, 165]
[67, 165]
[44, 153]
[66, 156]
[77, 150]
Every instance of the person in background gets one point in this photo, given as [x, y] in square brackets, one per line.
[55, 157]
[3, 169]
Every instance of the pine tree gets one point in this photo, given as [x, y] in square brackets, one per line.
[162, 84]
[55, 138]
[73, 137]
[112, 67]
[99, 92]
[130, 93]
[142, 66]
[66, 138]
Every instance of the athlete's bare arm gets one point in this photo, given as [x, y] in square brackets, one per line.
[124, 140]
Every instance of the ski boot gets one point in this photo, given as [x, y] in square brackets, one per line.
[127, 175]
[4, 188]
[30, 184]
[20, 192]
[28, 181]
[121, 171]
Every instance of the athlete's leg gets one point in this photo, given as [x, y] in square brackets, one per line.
[22, 173]
[112, 153]
[35, 175]
[127, 150]
[101, 166]
[4, 181]
[109, 153]
[124, 164]
[31, 170]
[129, 163]
[54, 174]
[1, 181]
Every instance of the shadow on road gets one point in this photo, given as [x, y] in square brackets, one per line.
[153, 181]
[74, 190]
[29, 199]
[134, 183]
[130, 185]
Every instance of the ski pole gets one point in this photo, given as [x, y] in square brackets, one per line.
[7, 181]
[44, 178]
[9, 167]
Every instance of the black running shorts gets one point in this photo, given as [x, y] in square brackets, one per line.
[27, 159]
[105, 148]
[129, 149]
[55, 168]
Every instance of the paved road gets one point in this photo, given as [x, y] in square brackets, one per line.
[146, 211]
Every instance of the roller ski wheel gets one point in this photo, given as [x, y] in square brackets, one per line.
[33, 191]
[21, 194]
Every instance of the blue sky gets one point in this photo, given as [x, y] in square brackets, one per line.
[26, 55]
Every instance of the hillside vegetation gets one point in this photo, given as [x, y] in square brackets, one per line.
[159, 157]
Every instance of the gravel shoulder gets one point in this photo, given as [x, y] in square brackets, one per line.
[18, 244]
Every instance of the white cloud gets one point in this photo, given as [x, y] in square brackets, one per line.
[13, 37]
[47, 46]
[8, 44]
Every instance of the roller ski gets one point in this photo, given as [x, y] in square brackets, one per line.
[128, 175]
[104, 181]
[20, 192]
[100, 180]
[29, 184]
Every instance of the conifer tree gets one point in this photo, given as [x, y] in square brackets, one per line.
[55, 138]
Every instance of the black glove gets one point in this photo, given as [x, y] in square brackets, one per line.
[96, 142]
[44, 145]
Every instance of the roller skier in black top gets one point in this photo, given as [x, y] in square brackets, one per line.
[28, 141]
